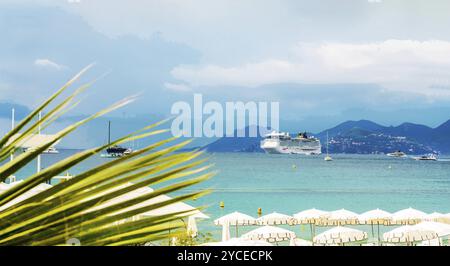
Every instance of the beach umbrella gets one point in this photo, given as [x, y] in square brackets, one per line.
[236, 219]
[270, 234]
[409, 234]
[225, 231]
[408, 216]
[28, 194]
[441, 229]
[310, 217]
[434, 217]
[275, 219]
[377, 217]
[339, 217]
[3, 187]
[240, 242]
[189, 212]
[339, 236]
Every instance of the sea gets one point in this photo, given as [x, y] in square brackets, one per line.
[289, 184]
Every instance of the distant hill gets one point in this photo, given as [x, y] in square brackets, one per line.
[418, 138]
[237, 144]
[361, 136]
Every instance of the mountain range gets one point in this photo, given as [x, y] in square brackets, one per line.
[363, 137]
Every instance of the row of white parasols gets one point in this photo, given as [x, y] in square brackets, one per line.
[417, 226]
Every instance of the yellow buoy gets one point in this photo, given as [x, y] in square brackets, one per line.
[259, 211]
[222, 204]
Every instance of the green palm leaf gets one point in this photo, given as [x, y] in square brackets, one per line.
[95, 206]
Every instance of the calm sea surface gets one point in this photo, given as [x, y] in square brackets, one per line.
[292, 183]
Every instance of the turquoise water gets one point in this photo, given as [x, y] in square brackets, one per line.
[291, 183]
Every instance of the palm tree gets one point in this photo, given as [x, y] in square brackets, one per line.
[75, 209]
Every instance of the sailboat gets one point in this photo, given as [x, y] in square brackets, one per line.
[328, 157]
[116, 150]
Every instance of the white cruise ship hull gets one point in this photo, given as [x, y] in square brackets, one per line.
[307, 147]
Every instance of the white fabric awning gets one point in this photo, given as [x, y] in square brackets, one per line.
[34, 140]
[309, 216]
[408, 234]
[408, 216]
[236, 218]
[270, 234]
[340, 235]
[275, 219]
[376, 216]
[339, 217]
[240, 242]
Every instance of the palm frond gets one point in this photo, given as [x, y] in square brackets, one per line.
[96, 206]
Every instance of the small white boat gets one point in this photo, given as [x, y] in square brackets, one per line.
[51, 150]
[429, 157]
[398, 154]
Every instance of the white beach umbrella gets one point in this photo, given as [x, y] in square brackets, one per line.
[28, 194]
[408, 216]
[225, 231]
[172, 208]
[377, 217]
[339, 217]
[275, 219]
[311, 217]
[235, 219]
[3, 187]
[339, 236]
[240, 242]
[433, 217]
[409, 234]
[189, 211]
[441, 229]
[270, 234]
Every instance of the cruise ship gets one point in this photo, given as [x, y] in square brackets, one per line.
[281, 142]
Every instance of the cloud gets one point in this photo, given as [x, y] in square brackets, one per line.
[177, 87]
[399, 65]
[47, 63]
[374, 1]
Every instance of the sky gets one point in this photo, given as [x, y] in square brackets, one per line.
[324, 61]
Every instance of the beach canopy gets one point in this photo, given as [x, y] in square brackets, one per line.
[409, 234]
[33, 141]
[340, 235]
[28, 194]
[376, 216]
[441, 229]
[339, 217]
[270, 234]
[433, 217]
[275, 219]
[240, 242]
[3, 187]
[309, 216]
[236, 218]
[408, 216]
[187, 209]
